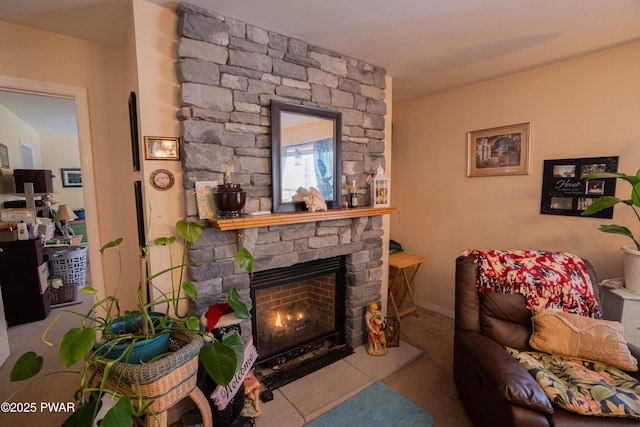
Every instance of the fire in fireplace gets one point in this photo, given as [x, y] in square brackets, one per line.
[298, 319]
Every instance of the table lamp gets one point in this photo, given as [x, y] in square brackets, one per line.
[64, 215]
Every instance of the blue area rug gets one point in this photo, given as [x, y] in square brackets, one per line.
[377, 405]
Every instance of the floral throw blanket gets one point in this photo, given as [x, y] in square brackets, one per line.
[546, 279]
[581, 386]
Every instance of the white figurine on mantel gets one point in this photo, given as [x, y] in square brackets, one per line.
[315, 201]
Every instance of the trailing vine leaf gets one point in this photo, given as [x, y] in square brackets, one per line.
[83, 416]
[111, 244]
[120, 415]
[219, 361]
[239, 308]
[26, 367]
[75, 344]
[193, 323]
[190, 289]
[189, 231]
[234, 341]
[161, 324]
[164, 241]
[245, 259]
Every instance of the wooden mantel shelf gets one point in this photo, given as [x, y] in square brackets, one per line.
[296, 218]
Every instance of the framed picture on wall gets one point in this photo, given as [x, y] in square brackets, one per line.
[71, 177]
[4, 156]
[161, 148]
[499, 151]
[565, 191]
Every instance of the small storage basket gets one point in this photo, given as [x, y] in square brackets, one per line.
[67, 293]
[70, 266]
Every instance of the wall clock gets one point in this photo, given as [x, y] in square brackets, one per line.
[162, 179]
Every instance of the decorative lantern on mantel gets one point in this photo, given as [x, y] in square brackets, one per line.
[380, 189]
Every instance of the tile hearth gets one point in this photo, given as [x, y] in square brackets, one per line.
[303, 400]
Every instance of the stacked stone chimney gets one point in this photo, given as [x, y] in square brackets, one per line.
[229, 72]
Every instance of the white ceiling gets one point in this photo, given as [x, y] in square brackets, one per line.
[428, 46]
[43, 113]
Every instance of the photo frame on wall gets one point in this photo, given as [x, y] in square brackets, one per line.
[71, 177]
[161, 148]
[566, 192]
[499, 151]
[4, 156]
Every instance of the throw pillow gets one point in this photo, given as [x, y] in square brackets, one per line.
[573, 335]
[584, 387]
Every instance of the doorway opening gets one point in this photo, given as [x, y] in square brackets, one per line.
[79, 98]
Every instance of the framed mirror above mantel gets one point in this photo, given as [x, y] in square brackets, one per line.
[306, 152]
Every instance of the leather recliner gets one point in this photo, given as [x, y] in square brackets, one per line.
[494, 388]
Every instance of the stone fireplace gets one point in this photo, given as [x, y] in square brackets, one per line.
[298, 319]
[296, 307]
[229, 72]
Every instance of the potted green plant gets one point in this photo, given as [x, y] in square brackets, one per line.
[105, 372]
[632, 252]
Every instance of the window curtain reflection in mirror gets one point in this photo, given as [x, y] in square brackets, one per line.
[323, 156]
[298, 166]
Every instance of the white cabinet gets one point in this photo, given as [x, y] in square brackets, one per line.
[624, 306]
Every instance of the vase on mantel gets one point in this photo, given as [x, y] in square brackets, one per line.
[229, 198]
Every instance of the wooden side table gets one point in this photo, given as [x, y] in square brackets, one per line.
[401, 284]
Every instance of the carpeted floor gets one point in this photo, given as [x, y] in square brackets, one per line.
[428, 381]
[377, 405]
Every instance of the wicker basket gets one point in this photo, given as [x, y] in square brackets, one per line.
[184, 346]
[67, 293]
[70, 266]
[162, 383]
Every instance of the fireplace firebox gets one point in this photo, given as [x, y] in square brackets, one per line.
[298, 319]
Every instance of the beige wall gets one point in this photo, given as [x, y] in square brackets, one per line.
[60, 150]
[46, 57]
[53, 151]
[12, 132]
[585, 107]
[156, 48]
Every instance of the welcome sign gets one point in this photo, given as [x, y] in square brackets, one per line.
[223, 395]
